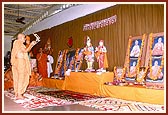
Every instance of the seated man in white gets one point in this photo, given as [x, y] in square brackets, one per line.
[158, 48]
[135, 50]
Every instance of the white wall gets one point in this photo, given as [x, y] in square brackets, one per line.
[7, 44]
[68, 15]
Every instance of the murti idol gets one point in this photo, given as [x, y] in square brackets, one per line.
[89, 54]
[101, 56]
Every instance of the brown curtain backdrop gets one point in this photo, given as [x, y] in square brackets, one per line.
[132, 19]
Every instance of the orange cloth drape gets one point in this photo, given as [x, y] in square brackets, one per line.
[53, 83]
[93, 83]
[42, 64]
[105, 61]
[86, 82]
[134, 93]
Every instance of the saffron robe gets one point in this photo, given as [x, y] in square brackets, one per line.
[21, 69]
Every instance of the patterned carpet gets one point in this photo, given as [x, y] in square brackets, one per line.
[36, 100]
[40, 97]
[70, 95]
[113, 104]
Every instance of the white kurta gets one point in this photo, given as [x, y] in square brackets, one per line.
[49, 65]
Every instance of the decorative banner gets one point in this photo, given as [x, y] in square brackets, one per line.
[100, 24]
[70, 42]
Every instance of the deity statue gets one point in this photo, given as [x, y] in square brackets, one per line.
[101, 56]
[89, 54]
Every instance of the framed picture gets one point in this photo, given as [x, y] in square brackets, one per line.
[156, 71]
[59, 63]
[78, 59]
[119, 73]
[155, 58]
[141, 74]
[135, 48]
[158, 46]
[155, 47]
[70, 60]
[135, 56]
[132, 71]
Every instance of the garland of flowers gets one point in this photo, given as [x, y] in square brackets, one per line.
[162, 62]
[139, 58]
[142, 78]
[122, 76]
[65, 56]
[76, 57]
[60, 63]
[128, 53]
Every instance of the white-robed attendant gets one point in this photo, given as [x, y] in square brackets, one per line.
[49, 64]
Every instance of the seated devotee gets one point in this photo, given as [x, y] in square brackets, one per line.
[155, 72]
[42, 63]
[7, 63]
[158, 48]
[8, 79]
[35, 78]
[135, 50]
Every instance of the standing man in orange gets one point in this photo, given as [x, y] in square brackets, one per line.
[21, 69]
[42, 63]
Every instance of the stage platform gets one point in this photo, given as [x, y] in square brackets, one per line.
[93, 83]
[53, 83]
[86, 82]
[134, 93]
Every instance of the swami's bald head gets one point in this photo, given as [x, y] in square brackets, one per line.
[21, 37]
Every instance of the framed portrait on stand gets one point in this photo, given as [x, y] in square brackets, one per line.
[155, 61]
[131, 74]
[135, 56]
[141, 75]
[70, 60]
[59, 63]
[119, 74]
[78, 59]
